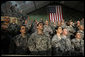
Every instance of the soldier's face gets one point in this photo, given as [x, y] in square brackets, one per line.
[14, 20]
[40, 26]
[46, 22]
[23, 29]
[59, 30]
[71, 23]
[81, 27]
[78, 35]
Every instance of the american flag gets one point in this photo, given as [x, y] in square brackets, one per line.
[55, 13]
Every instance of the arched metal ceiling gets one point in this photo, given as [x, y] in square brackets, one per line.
[29, 6]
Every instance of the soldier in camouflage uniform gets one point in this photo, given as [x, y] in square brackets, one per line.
[39, 43]
[59, 24]
[53, 25]
[81, 30]
[77, 25]
[21, 41]
[56, 42]
[47, 29]
[63, 24]
[78, 45]
[65, 43]
[70, 30]
[13, 28]
[82, 21]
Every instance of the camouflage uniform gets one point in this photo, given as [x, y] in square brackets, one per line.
[51, 23]
[39, 44]
[82, 22]
[65, 46]
[64, 25]
[22, 44]
[78, 45]
[70, 31]
[12, 26]
[13, 29]
[56, 45]
[53, 26]
[47, 30]
[70, 28]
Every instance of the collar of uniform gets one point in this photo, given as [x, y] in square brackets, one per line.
[70, 25]
[63, 36]
[23, 37]
[59, 37]
[45, 26]
[78, 39]
[13, 23]
[38, 34]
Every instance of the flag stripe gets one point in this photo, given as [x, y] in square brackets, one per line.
[54, 17]
[58, 13]
[49, 17]
[61, 13]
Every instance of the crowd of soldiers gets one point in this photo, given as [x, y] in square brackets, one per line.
[64, 38]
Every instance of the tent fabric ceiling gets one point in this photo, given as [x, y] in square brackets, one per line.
[29, 6]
